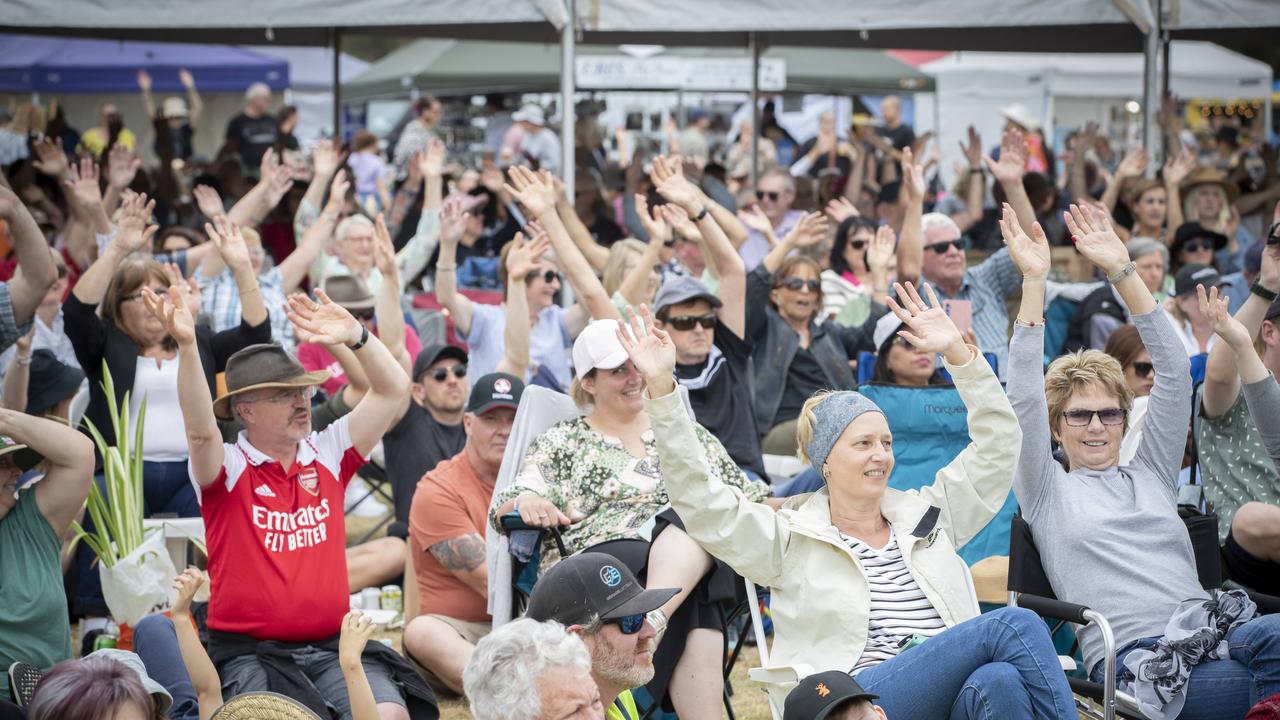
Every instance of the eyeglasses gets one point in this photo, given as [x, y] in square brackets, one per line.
[1082, 418]
[548, 276]
[798, 284]
[960, 244]
[686, 322]
[440, 374]
[902, 342]
[135, 296]
[858, 244]
[289, 395]
[1143, 369]
[773, 196]
[365, 314]
[1197, 246]
[631, 624]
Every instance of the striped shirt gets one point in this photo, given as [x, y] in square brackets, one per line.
[899, 608]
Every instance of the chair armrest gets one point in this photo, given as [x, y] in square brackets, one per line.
[1057, 609]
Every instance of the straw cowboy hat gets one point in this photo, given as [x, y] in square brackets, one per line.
[1206, 175]
[265, 365]
[263, 706]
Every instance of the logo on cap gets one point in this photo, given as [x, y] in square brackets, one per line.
[823, 690]
[502, 385]
[610, 576]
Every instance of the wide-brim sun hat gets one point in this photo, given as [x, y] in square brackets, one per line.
[263, 706]
[1207, 175]
[265, 365]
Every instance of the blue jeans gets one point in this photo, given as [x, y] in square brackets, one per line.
[155, 641]
[807, 481]
[1221, 689]
[996, 666]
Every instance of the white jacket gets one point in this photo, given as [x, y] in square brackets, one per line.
[821, 599]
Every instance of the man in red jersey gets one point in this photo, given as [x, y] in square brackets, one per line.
[272, 503]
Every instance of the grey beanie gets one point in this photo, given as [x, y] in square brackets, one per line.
[830, 418]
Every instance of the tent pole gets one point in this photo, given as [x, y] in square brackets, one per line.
[754, 44]
[335, 38]
[1150, 94]
[567, 69]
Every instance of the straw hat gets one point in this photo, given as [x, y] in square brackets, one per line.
[1206, 175]
[265, 365]
[263, 706]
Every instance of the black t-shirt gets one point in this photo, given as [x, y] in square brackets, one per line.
[255, 135]
[804, 378]
[901, 136]
[414, 447]
[718, 392]
[824, 161]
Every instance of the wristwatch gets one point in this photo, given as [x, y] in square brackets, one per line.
[1257, 289]
[699, 216]
[1123, 272]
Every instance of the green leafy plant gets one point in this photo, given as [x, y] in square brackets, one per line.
[117, 512]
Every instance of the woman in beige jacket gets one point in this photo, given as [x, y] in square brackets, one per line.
[861, 573]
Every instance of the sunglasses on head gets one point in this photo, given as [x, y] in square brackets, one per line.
[798, 284]
[1082, 418]
[960, 244]
[629, 625]
[548, 276]
[459, 371]
[773, 196]
[1143, 369]
[686, 322]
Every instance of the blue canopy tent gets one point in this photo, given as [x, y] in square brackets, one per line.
[36, 64]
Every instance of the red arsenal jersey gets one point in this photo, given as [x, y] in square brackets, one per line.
[277, 540]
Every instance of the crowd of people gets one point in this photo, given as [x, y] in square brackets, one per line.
[293, 318]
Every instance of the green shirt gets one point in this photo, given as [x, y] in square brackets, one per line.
[33, 609]
[623, 708]
[1234, 461]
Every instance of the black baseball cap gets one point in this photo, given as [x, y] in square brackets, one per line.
[432, 354]
[495, 390]
[819, 694]
[588, 585]
[1186, 280]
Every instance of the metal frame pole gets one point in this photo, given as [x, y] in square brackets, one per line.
[567, 69]
[756, 130]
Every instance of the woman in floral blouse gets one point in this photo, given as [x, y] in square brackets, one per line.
[598, 477]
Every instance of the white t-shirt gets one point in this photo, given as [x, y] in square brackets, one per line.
[163, 437]
[549, 343]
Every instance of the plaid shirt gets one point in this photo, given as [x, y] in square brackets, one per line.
[10, 331]
[221, 304]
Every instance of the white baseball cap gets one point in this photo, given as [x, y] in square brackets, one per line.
[886, 327]
[531, 114]
[598, 347]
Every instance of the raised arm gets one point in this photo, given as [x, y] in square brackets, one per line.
[229, 241]
[1077, 184]
[196, 113]
[38, 272]
[452, 220]
[144, 86]
[754, 219]
[810, 231]
[204, 441]
[326, 158]
[132, 234]
[416, 253]
[204, 676]
[975, 185]
[1009, 171]
[596, 254]
[1132, 166]
[387, 310]
[294, 268]
[69, 454]
[637, 278]
[1176, 169]
[327, 323]
[1221, 377]
[911, 244]
[522, 259]
[357, 628]
[1237, 337]
[18, 376]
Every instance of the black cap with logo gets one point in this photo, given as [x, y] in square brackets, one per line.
[588, 585]
[432, 354]
[495, 390]
[816, 696]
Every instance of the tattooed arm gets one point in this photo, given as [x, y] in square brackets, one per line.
[464, 557]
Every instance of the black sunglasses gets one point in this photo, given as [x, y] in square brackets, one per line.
[773, 196]
[1082, 418]
[800, 284]
[960, 244]
[459, 371]
[548, 276]
[630, 624]
[363, 314]
[686, 322]
[1143, 369]
[1197, 246]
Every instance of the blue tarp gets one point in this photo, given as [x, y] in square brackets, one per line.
[59, 65]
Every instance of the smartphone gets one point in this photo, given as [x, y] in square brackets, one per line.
[960, 312]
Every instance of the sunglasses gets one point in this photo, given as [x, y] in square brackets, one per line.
[1197, 246]
[1143, 369]
[686, 322]
[459, 371]
[798, 284]
[773, 196]
[548, 276]
[1082, 418]
[960, 244]
[363, 314]
[631, 624]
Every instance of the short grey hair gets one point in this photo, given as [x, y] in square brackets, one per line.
[1140, 246]
[934, 220]
[258, 88]
[501, 679]
[788, 181]
[344, 227]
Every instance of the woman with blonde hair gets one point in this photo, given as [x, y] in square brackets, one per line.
[1207, 199]
[27, 120]
[1109, 533]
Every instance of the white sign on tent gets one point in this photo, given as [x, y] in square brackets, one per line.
[612, 72]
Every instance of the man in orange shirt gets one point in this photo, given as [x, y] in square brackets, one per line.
[446, 536]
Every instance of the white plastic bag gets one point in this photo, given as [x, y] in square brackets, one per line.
[138, 585]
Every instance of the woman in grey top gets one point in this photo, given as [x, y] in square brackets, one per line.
[1110, 535]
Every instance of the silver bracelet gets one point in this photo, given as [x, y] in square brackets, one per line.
[21, 360]
[1123, 272]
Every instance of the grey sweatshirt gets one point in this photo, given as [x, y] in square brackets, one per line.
[1263, 399]
[1110, 539]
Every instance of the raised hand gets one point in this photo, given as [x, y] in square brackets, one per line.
[384, 251]
[677, 218]
[431, 162]
[189, 288]
[132, 232]
[1013, 157]
[652, 220]
[144, 81]
[227, 238]
[278, 179]
[524, 255]
[187, 584]
[810, 231]
[912, 178]
[536, 194]
[1134, 163]
[650, 349]
[453, 222]
[209, 202]
[357, 628]
[1029, 254]
[82, 183]
[973, 150]
[122, 166]
[171, 310]
[326, 158]
[840, 209]
[1214, 308]
[23, 344]
[1179, 166]
[50, 160]
[881, 251]
[323, 320]
[187, 80]
[268, 164]
[930, 329]
[337, 193]
[755, 219]
[669, 180]
[1095, 238]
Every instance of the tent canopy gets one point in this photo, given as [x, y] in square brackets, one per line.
[57, 65]
[444, 66]
[311, 68]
